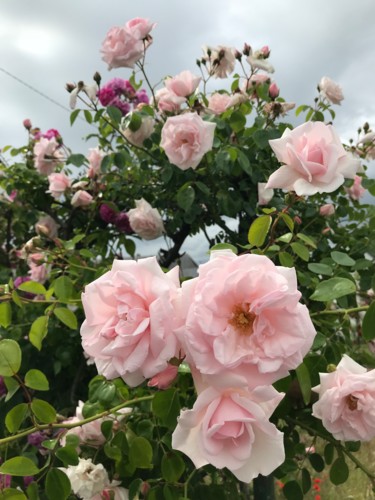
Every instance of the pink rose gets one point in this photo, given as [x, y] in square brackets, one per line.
[140, 27]
[58, 183]
[112, 492]
[356, 191]
[327, 210]
[122, 48]
[81, 199]
[315, 160]
[221, 60]
[183, 84]
[186, 139]
[164, 379]
[145, 220]
[139, 136]
[346, 401]
[95, 158]
[229, 427]
[264, 195]
[243, 316]
[218, 103]
[47, 155]
[168, 101]
[330, 90]
[274, 90]
[47, 226]
[38, 269]
[130, 320]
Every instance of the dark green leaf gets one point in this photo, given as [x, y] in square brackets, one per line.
[306, 239]
[76, 160]
[304, 381]
[114, 114]
[140, 453]
[135, 488]
[237, 121]
[166, 406]
[10, 357]
[320, 268]
[35, 379]
[57, 485]
[286, 259]
[292, 491]
[316, 461]
[339, 471]
[68, 455]
[329, 451]
[259, 229]
[88, 116]
[333, 289]
[172, 467]
[301, 251]
[67, 317]
[368, 325]
[306, 480]
[185, 197]
[73, 116]
[19, 466]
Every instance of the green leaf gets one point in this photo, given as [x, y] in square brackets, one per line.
[43, 411]
[135, 488]
[166, 406]
[333, 289]
[38, 331]
[88, 116]
[114, 114]
[76, 160]
[130, 247]
[339, 471]
[35, 379]
[329, 451]
[320, 268]
[5, 314]
[68, 455]
[19, 466]
[73, 116]
[316, 461]
[12, 386]
[306, 239]
[172, 467]
[301, 251]
[32, 287]
[57, 485]
[185, 197]
[288, 221]
[67, 317]
[259, 229]
[342, 259]
[134, 121]
[285, 238]
[368, 325]
[292, 491]
[15, 417]
[237, 121]
[140, 453]
[63, 288]
[306, 480]
[286, 259]
[16, 299]
[304, 381]
[10, 357]
[224, 246]
[12, 494]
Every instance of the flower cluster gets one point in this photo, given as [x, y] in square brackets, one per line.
[122, 95]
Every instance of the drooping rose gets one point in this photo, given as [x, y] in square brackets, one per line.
[221, 59]
[346, 401]
[218, 103]
[130, 320]
[243, 316]
[145, 220]
[330, 90]
[81, 199]
[356, 191]
[327, 210]
[47, 155]
[58, 183]
[230, 427]
[314, 160]
[122, 48]
[183, 84]
[186, 139]
[47, 226]
[168, 101]
[264, 195]
[95, 158]
[87, 479]
[140, 27]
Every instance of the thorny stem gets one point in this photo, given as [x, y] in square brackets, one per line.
[341, 311]
[66, 425]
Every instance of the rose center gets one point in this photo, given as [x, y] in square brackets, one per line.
[352, 402]
[242, 319]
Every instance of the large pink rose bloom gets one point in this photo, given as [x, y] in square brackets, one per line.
[183, 84]
[145, 220]
[130, 319]
[346, 403]
[315, 160]
[122, 48]
[58, 183]
[47, 155]
[243, 316]
[186, 139]
[230, 428]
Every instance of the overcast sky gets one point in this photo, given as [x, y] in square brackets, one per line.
[47, 44]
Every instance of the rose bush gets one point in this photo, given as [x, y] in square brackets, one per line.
[191, 387]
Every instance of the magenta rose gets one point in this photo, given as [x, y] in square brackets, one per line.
[243, 316]
[346, 401]
[230, 427]
[130, 320]
[314, 160]
[186, 139]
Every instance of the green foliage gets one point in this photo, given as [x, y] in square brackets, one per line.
[10, 357]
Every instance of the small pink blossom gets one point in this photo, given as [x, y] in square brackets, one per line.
[183, 84]
[95, 158]
[327, 210]
[81, 199]
[168, 101]
[27, 124]
[47, 155]
[314, 160]
[346, 401]
[58, 183]
[243, 316]
[356, 191]
[330, 90]
[130, 320]
[186, 139]
[274, 90]
[230, 428]
[47, 226]
[164, 379]
[218, 103]
[38, 269]
[264, 195]
[145, 220]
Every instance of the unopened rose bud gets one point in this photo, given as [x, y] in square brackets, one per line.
[327, 210]
[326, 230]
[27, 124]
[246, 49]
[265, 51]
[145, 488]
[198, 62]
[366, 127]
[238, 55]
[70, 87]
[297, 219]
[209, 52]
[80, 85]
[97, 77]
[273, 91]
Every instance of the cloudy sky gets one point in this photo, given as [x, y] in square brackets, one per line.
[47, 44]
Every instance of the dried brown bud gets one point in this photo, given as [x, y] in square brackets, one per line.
[70, 87]
[97, 78]
[246, 49]
[238, 55]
